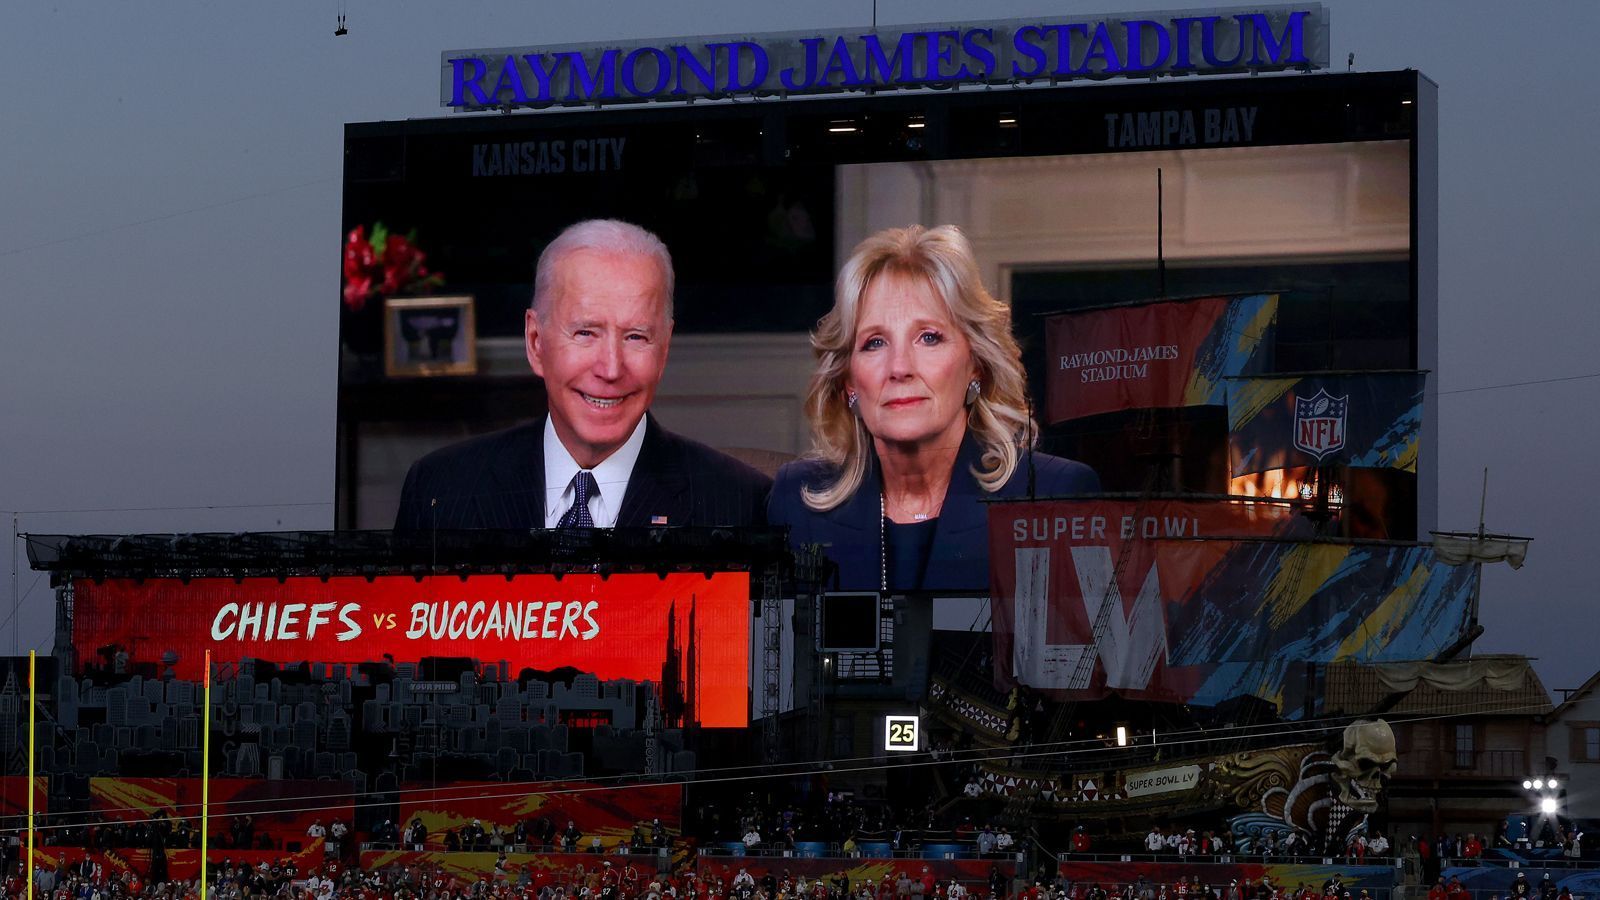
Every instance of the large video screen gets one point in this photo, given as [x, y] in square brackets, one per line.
[1160, 249]
[687, 635]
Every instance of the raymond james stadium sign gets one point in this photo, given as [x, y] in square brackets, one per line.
[1014, 51]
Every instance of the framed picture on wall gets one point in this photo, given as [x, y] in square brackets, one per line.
[429, 336]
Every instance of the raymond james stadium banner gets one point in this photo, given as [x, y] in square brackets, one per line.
[1155, 355]
[1065, 571]
[1147, 611]
[1368, 420]
[1130, 44]
[620, 627]
[608, 813]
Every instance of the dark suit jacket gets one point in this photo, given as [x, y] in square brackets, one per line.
[959, 560]
[497, 481]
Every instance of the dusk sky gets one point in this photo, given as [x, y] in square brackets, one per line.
[170, 233]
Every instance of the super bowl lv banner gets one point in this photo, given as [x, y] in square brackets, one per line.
[1078, 601]
[1200, 601]
[1163, 354]
[1246, 611]
[1368, 419]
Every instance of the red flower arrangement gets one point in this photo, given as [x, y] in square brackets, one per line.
[383, 265]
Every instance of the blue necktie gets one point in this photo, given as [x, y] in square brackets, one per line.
[583, 487]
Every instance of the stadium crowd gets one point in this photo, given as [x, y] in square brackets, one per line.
[611, 881]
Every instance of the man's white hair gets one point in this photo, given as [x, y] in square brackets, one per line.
[607, 236]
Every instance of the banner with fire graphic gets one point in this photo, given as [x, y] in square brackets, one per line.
[1247, 612]
[1367, 420]
[179, 864]
[1155, 355]
[281, 810]
[1201, 600]
[606, 812]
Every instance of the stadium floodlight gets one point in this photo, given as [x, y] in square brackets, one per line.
[1538, 784]
[1122, 735]
[1551, 783]
[1527, 785]
[1548, 806]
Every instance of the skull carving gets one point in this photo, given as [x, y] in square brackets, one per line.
[1365, 763]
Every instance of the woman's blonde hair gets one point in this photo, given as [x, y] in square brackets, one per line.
[943, 259]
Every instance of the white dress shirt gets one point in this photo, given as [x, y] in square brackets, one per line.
[611, 475]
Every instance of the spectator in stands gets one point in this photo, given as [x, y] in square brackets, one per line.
[570, 837]
[849, 848]
[1471, 850]
[986, 841]
[1378, 845]
[752, 838]
[1155, 841]
[596, 845]
[316, 831]
[1003, 842]
[1445, 849]
[1080, 840]
[997, 882]
[337, 832]
[387, 835]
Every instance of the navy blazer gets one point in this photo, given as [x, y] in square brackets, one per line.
[497, 481]
[959, 561]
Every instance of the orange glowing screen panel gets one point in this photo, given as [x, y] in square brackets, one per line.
[620, 627]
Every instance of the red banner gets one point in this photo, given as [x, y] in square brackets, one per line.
[1079, 604]
[282, 810]
[616, 627]
[183, 865]
[606, 813]
[14, 799]
[1154, 355]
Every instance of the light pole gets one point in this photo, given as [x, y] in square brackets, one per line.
[1545, 798]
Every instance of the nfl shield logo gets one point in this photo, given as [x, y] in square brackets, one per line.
[1319, 423]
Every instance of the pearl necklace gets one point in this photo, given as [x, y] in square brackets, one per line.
[883, 545]
[883, 540]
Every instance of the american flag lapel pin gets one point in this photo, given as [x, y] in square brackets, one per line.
[658, 520]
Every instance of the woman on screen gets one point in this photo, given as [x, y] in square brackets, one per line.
[918, 411]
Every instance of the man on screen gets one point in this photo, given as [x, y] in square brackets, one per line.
[597, 333]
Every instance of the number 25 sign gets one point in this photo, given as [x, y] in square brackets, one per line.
[902, 734]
